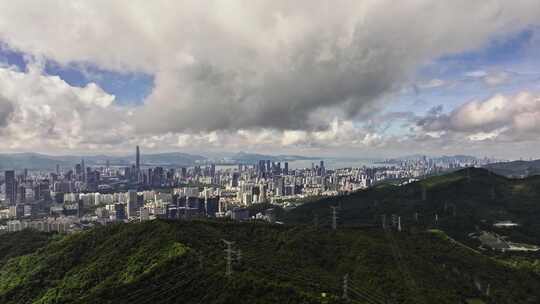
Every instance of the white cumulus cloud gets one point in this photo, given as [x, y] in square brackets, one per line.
[42, 111]
[500, 116]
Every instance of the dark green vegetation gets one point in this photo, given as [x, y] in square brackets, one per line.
[183, 262]
[20, 243]
[518, 168]
[464, 201]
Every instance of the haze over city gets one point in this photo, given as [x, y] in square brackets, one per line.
[350, 78]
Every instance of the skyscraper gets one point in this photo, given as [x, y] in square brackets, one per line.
[83, 171]
[213, 170]
[138, 159]
[11, 187]
[132, 204]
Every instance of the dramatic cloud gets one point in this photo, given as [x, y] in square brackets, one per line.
[240, 74]
[39, 112]
[271, 64]
[498, 117]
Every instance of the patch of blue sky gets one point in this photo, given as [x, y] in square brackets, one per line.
[510, 54]
[9, 57]
[454, 93]
[129, 88]
[501, 51]
[398, 128]
[517, 52]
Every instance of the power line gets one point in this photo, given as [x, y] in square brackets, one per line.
[291, 276]
[229, 251]
[163, 291]
[374, 296]
[366, 297]
[345, 295]
[334, 217]
[372, 293]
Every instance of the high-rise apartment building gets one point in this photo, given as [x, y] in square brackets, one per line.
[11, 187]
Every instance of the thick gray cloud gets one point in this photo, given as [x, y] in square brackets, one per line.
[270, 64]
[346, 60]
[6, 110]
[249, 74]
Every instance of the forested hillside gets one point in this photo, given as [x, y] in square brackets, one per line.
[184, 262]
[459, 203]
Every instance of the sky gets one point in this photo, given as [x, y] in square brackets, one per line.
[358, 78]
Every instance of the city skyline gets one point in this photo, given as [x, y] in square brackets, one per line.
[130, 191]
[354, 79]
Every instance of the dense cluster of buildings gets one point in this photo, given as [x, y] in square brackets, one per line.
[70, 199]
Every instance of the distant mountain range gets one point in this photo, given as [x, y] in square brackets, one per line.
[252, 158]
[444, 158]
[37, 161]
[516, 169]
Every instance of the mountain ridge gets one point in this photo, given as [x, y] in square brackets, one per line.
[462, 201]
[517, 168]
